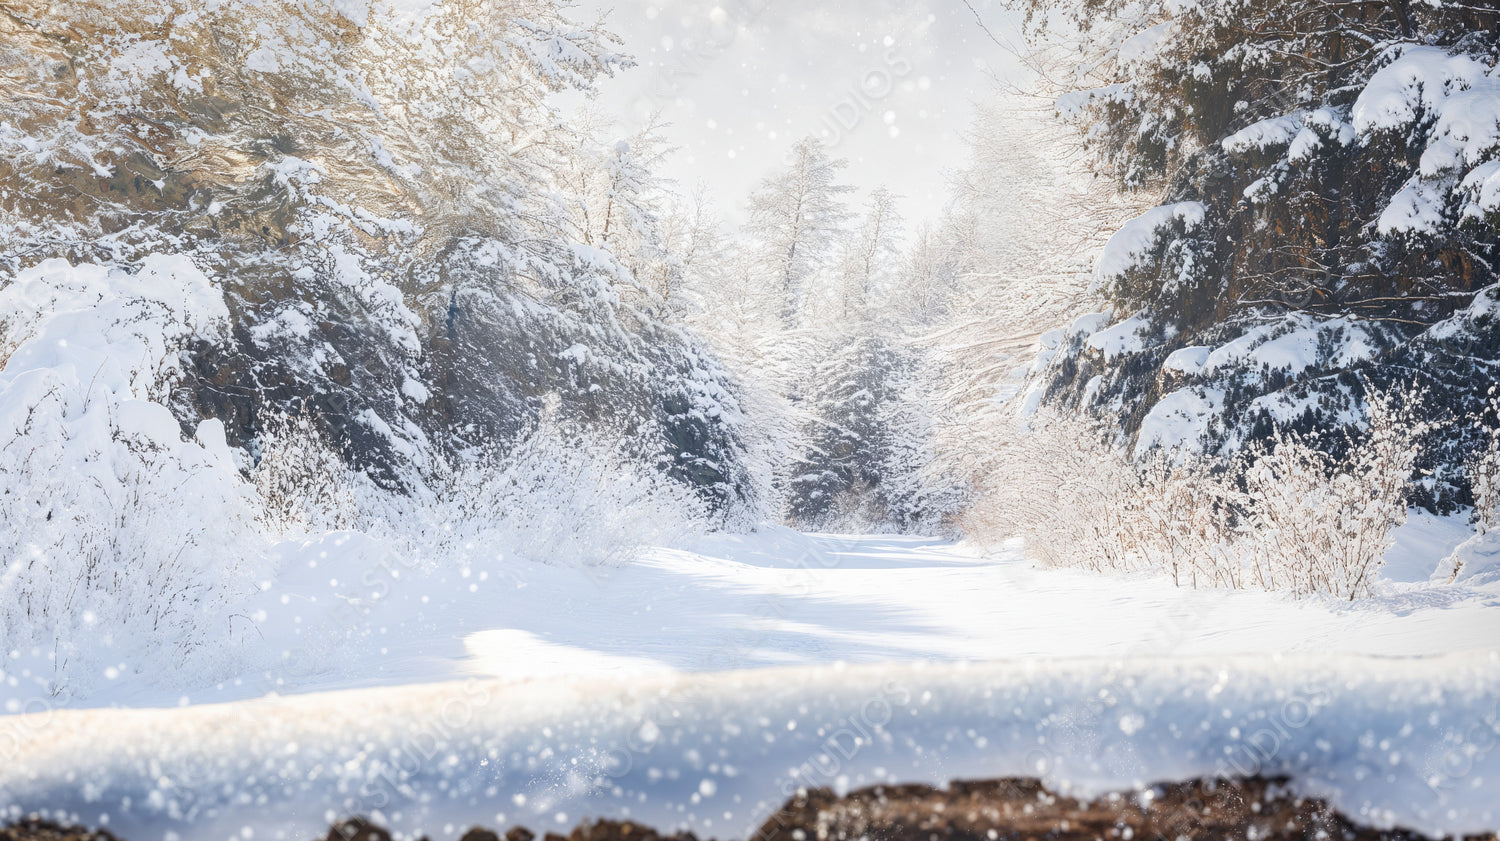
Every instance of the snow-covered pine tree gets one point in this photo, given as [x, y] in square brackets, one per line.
[1329, 217]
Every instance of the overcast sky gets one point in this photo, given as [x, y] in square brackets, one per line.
[888, 84]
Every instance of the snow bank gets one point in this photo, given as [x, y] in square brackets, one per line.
[1475, 561]
[1388, 741]
[118, 528]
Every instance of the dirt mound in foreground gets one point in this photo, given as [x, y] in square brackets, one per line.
[991, 810]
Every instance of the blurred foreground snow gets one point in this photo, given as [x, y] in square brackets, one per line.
[1408, 741]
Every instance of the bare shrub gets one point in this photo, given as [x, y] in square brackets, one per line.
[1484, 473]
[1316, 523]
[1287, 514]
[1060, 487]
[304, 485]
[1182, 515]
[562, 494]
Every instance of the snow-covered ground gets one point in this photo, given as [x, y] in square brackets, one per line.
[546, 694]
[344, 613]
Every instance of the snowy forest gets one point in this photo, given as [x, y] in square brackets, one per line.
[351, 346]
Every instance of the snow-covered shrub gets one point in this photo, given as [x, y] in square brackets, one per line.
[1315, 522]
[1294, 514]
[1484, 473]
[128, 544]
[304, 485]
[562, 494]
[121, 539]
[1059, 486]
[1077, 499]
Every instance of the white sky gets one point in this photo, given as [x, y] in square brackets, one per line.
[888, 84]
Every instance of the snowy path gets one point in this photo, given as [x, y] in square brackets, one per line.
[795, 600]
[777, 598]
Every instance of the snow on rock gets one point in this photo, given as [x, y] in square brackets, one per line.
[1485, 306]
[1122, 338]
[1481, 191]
[1032, 400]
[1460, 97]
[1089, 324]
[1137, 239]
[1179, 420]
[1321, 122]
[1417, 207]
[1265, 134]
[1467, 130]
[1388, 741]
[1143, 48]
[1048, 345]
[1414, 85]
[1295, 343]
[1286, 407]
[1188, 360]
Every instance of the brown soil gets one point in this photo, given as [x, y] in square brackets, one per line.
[994, 810]
[1023, 810]
[34, 829]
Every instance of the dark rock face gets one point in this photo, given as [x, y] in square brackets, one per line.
[1304, 233]
[1447, 367]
